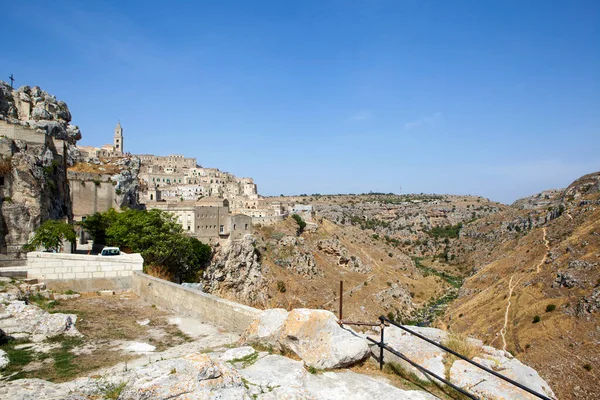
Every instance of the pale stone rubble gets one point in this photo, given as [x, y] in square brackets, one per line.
[28, 321]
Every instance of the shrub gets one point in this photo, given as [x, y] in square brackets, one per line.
[550, 307]
[587, 367]
[300, 222]
[281, 286]
[536, 319]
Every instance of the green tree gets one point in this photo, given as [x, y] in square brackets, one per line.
[300, 222]
[155, 235]
[50, 235]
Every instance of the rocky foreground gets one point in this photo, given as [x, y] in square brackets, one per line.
[318, 352]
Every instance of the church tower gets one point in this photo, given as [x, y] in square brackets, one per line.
[118, 139]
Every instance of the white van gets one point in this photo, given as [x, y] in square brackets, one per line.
[110, 251]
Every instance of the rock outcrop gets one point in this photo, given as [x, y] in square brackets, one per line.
[462, 373]
[207, 376]
[33, 108]
[236, 272]
[35, 148]
[313, 335]
[290, 253]
[333, 247]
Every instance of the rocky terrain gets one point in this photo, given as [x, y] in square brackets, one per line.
[530, 270]
[34, 185]
[301, 354]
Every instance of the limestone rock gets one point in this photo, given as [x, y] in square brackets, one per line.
[37, 109]
[237, 353]
[313, 335]
[333, 247]
[3, 359]
[292, 381]
[462, 373]
[485, 385]
[266, 328]
[235, 271]
[35, 323]
[290, 253]
[417, 350]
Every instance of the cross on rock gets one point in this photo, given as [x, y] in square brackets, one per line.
[12, 79]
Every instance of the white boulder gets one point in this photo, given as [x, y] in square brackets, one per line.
[313, 335]
[3, 359]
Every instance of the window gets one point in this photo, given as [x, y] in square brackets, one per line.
[245, 227]
[234, 227]
[221, 229]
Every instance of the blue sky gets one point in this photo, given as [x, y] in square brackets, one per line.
[494, 98]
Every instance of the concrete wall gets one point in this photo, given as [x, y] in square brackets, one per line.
[82, 272]
[211, 309]
[18, 132]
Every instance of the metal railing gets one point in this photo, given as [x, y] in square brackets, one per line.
[381, 344]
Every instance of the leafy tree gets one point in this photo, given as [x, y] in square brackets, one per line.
[156, 235]
[50, 235]
[300, 222]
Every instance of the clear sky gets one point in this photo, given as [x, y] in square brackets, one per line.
[494, 98]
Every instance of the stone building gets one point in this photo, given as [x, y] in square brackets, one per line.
[108, 150]
[208, 219]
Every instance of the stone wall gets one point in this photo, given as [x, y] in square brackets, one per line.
[265, 221]
[82, 272]
[210, 309]
[92, 194]
[18, 132]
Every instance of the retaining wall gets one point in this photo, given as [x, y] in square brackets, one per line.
[211, 309]
[82, 272]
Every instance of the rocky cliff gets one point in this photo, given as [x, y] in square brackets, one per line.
[33, 108]
[236, 273]
[35, 152]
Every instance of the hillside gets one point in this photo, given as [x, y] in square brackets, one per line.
[392, 252]
[536, 290]
[524, 277]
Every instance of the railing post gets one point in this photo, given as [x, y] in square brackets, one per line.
[381, 343]
[341, 299]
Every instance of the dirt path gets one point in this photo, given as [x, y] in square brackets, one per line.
[547, 244]
[512, 287]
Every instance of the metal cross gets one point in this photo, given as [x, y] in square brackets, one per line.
[12, 79]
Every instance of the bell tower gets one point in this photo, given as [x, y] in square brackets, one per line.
[118, 139]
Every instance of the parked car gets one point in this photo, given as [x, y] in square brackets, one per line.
[110, 251]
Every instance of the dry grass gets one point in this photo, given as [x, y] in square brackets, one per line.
[5, 165]
[159, 272]
[460, 343]
[105, 322]
[95, 169]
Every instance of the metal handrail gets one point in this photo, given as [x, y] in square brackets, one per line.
[384, 319]
[422, 369]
